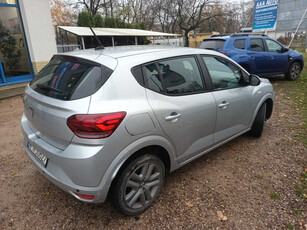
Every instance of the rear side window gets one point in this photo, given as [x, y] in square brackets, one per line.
[239, 44]
[69, 78]
[181, 76]
[212, 44]
[256, 44]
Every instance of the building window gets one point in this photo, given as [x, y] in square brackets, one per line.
[14, 56]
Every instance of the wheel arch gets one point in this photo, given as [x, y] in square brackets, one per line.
[159, 145]
[268, 99]
[299, 62]
[269, 108]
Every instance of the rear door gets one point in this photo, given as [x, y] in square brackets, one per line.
[185, 111]
[61, 89]
[258, 57]
[233, 97]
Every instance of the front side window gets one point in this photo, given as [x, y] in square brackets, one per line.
[256, 44]
[181, 76]
[273, 46]
[224, 75]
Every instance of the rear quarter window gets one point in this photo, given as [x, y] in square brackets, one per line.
[69, 78]
[239, 44]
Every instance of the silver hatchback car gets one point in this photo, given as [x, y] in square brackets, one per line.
[112, 122]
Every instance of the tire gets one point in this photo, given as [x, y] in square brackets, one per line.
[257, 127]
[293, 72]
[138, 185]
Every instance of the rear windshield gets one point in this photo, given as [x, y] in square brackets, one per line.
[70, 78]
[212, 44]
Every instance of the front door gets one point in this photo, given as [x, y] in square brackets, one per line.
[184, 110]
[278, 60]
[233, 98]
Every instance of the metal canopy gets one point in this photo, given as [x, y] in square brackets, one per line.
[113, 32]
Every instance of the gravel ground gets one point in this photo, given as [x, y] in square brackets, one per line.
[239, 179]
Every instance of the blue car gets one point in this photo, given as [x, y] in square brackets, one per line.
[259, 55]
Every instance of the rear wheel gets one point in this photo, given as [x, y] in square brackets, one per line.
[257, 127]
[293, 72]
[138, 185]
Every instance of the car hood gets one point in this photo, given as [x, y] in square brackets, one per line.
[295, 53]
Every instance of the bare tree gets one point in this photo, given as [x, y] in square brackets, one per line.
[94, 6]
[191, 14]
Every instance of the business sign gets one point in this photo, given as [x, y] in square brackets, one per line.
[265, 14]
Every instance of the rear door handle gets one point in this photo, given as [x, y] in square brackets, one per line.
[224, 104]
[173, 117]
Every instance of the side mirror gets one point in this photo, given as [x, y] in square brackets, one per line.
[254, 80]
[245, 79]
[284, 49]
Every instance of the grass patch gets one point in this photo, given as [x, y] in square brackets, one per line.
[290, 226]
[299, 190]
[258, 176]
[275, 196]
[297, 212]
[297, 91]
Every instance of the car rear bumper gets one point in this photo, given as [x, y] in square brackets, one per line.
[74, 169]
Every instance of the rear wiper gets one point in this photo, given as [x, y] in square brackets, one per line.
[46, 87]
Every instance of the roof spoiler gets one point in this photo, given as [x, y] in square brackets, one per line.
[218, 35]
[100, 46]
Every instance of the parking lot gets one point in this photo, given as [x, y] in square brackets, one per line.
[252, 181]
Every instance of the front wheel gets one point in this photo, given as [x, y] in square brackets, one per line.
[293, 72]
[257, 127]
[138, 185]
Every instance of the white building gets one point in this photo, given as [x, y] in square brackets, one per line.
[27, 39]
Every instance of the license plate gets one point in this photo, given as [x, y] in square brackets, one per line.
[42, 159]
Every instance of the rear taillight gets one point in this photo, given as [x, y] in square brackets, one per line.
[95, 126]
[223, 52]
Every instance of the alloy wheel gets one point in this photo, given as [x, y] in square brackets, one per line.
[143, 185]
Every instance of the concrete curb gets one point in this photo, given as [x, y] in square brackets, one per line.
[7, 92]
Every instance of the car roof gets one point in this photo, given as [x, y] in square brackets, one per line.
[109, 56]
[124, 51]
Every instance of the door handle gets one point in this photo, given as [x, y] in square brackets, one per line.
[224, 104]
[173, 117]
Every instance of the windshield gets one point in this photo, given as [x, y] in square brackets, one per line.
[212, 44]
[68, 78]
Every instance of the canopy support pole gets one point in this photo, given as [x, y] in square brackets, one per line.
[136, 40]
[83, 45]
[113, 43]
[302, 19]
[66, 37]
